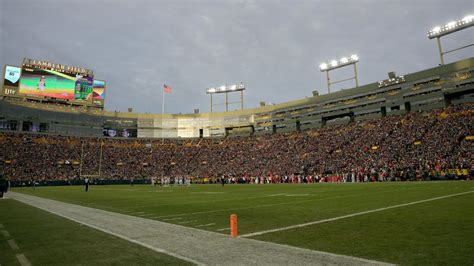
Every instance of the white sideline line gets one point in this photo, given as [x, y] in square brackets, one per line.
[203, 225]
[114, 234]
[5, 233]
[223, 229]
[13, 244]
[187, 222]
[352, 215]
[23, 260]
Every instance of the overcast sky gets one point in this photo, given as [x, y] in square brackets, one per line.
[273, 47]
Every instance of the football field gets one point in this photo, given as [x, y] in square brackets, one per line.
[402, 223]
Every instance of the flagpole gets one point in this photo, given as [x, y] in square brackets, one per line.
[162, 113]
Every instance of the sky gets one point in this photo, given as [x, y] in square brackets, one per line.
[274, 47]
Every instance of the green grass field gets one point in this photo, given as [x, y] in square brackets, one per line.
[434, 232]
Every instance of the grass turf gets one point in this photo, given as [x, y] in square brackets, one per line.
[47, 239]
[429, 233]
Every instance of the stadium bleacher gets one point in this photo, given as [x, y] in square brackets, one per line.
[418, 145]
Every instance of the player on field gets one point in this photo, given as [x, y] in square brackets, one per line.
[86, 182]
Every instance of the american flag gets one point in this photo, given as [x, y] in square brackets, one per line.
[166, 88]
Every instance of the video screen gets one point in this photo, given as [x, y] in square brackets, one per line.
[99, 90]
[54, 84]
[12, 76]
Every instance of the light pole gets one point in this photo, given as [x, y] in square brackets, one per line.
[334, 64]
[228, 89]
[451, 27]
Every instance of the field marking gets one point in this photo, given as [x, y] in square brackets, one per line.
[207, 192]
[204, 225]
[12, 244]
[23, 260]
[206, 201]
[172, 219]
[352, 215]
[200, 247]
[187, 222]
[291, 194]
[111, 233]
[223, 229]
[274, 204]
[5, 233]
[147, 215]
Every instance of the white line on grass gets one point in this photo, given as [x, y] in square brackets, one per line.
[353, 215]
[275, 204]
[172, 219]
[13, 244]
[187, 222]
[204, 225]
[5, 233]
[23, 260]
[117, 235]
[223, 229]
[147, 215]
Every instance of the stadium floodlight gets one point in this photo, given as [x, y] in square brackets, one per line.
[333, 64]
[451, 27]
[227, 89]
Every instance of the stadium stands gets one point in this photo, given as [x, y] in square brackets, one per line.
[414, 146]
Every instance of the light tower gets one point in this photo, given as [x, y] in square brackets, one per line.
[451, 27]
[334, 64]
[227, 89]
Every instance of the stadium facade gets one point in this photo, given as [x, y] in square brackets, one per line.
[82, 115]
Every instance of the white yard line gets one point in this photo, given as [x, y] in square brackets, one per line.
[23, 260]
[353, 215]
[204, 225]
[223, 229]
[187, 222]
[172, 219]
[147, 215]
[12, 244]
[275, 204]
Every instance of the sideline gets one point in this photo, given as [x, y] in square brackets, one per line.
[352, 215]
[190, 244]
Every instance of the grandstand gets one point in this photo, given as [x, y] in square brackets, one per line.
[383, 130]
[313, 181]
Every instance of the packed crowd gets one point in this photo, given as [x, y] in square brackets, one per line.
[417, 145]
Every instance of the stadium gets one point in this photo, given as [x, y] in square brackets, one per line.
[379, 173]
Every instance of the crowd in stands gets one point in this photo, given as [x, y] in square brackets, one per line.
[415, 146]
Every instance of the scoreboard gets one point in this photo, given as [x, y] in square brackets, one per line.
[43, 80]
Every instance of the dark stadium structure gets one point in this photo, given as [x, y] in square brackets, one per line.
[421, 91]
[416, 126]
